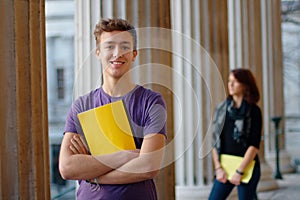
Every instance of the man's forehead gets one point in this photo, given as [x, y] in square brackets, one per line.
[116, 37]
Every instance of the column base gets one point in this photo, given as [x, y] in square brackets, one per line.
[267, 181]
[192, 192]
[285, 164]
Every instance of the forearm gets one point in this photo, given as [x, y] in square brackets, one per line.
[139, 169]
[81, 166]
[219, 171]
[144, 167]
[248, 157]
[216, 160]
[78, 165]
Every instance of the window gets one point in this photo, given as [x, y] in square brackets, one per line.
[60, 83]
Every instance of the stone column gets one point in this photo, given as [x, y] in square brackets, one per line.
[253, 30]
[24, 136]
[201, 57]
[214, 40]
[87, 68]
[146, 70]
[273, 82]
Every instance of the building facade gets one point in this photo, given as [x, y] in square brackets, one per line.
[60, 82]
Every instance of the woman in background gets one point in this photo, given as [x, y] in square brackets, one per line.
[237, 127]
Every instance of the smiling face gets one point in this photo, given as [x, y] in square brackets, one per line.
[235, 88]
[116, 53]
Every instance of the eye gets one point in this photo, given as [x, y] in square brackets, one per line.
[125, 47]
[109, 47]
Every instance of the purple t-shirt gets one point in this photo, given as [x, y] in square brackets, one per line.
[147, 113]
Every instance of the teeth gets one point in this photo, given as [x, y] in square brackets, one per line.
[117, 63]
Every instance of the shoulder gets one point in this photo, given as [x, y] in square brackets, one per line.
[146, 91]
[255, 109]
[220, 113]
[256, 112]
[86, 101]
[221, 106]
[148, 95]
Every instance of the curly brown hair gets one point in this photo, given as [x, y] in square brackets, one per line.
[245, 77]
[114, 24]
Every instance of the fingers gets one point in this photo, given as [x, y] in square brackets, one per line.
[236, 180]
[77, 146]
[74, 150]
[221, 176]
[223, 180]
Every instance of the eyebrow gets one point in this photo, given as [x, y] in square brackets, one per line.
[113, 42]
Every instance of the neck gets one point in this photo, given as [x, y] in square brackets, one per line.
[237, 101]
[117, 88]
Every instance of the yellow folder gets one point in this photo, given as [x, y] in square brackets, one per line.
[231, 163]
[107, 129]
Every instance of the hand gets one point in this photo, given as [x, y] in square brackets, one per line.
[221, 175]
[236, 179]
[77, 146]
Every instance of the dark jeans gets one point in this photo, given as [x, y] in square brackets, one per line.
[221, 191]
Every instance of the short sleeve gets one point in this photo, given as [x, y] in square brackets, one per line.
[72, 122]
[156, 117]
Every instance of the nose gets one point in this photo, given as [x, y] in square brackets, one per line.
[117, 52]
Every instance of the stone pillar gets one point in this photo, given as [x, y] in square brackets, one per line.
[273, 82]
[146, 70]
[87, 68]
[201, 57]
[24, 136]
[213, 20]
[245, 51]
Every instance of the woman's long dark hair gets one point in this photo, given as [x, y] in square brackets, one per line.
[245, 76]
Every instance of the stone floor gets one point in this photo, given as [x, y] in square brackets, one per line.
[289, 189]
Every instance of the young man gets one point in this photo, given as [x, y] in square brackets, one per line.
[125, 174]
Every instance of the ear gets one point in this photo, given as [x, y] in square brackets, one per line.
[98, 54]
[135, 53]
